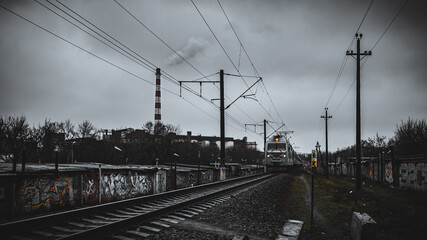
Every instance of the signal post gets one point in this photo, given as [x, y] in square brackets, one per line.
[313, 170]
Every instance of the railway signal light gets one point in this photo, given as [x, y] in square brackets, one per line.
[313, 159]
[314, 163]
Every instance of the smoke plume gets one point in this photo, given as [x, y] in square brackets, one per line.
[194, 46]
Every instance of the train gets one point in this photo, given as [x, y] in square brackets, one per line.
[279, 154]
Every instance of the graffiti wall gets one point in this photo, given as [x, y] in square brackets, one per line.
[189, 178]
[90, 188]
[388, 173]
[42, 193]
[413, 176]
[186, 179]
[160, 181]
[411, 172]
[120, 185]
[206, 176]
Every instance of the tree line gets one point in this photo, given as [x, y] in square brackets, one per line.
[85, 143]
[410, 139]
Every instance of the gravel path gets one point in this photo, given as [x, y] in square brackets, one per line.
[255, 213]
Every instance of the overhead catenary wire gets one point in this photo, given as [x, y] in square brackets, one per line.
[122, 52]
[225, 52]
[249, 58]
[106, 61]
[166, 75]
[158, 37]
[167, 45]
[86, 20]
[75, 45]
[129, 52]
[237, 36]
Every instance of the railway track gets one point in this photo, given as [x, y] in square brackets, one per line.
[130, 218]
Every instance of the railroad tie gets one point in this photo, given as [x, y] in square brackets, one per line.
[139, 234]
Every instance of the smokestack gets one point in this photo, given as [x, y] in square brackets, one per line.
[157, 105]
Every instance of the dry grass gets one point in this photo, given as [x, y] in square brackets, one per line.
[400, 214]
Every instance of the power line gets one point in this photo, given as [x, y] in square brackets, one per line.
[247, 55]
[237, 36]
[364, 16]
[137, 61]
[152, 65]
[106, 61]
[167, 45]
[392, 21]
[75, 45]
[160, 39]
[222, 47]
[344, 61]
[342, 100]
[351, 85]
[376, 43]
[228, 56]
[166, 75]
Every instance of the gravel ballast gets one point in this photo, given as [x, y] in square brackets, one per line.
[255, 213]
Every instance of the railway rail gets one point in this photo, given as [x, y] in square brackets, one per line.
[136, 217]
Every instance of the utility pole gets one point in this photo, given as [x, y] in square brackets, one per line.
[327, 157]
[260, 125]
[222, 120]
[358, 134]
[221, 108]
[265, 136]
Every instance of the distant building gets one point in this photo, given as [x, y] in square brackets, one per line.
[127, 135]
[130, 135]
[203, 141]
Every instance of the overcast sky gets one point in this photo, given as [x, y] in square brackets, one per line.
[297, 47]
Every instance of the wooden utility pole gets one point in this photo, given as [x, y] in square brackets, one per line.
[358, 137]
[327, 157]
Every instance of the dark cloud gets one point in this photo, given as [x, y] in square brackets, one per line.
[296, 46]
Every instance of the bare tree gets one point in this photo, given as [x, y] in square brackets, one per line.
[68, 129]
[14, 131]
[411, 137]
[86, 130]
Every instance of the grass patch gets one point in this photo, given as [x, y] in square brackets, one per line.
[293, 202]
[400, 214]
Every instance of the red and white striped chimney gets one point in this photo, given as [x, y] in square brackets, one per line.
[157, 105]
